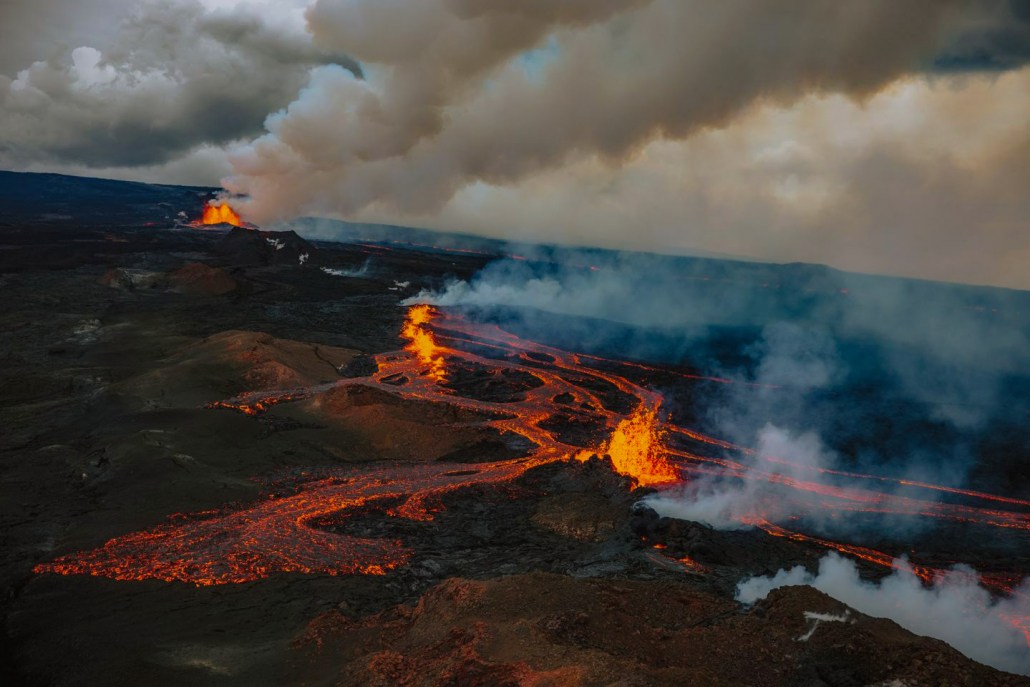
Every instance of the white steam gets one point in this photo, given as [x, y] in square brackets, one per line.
[350, 271]
[733, 503]
[956, 609]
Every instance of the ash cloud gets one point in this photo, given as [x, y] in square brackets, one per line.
[447, 105]
[955, 609]
[175, 78]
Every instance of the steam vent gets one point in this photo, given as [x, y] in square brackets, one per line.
[484, 344]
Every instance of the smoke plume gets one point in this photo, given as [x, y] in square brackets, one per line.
[466, 91]
[955, 609]
[905, 378]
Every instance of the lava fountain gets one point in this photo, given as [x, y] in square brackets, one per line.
[422, 343]
[637, 450]
[220, 213]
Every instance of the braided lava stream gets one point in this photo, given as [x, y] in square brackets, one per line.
[282, 534]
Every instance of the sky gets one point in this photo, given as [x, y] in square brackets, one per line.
[876, 136]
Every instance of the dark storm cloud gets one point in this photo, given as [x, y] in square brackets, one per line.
[996, 40]
[175, 77]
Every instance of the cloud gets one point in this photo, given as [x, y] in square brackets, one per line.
[38, 29]
[920, 179]
[778, 132]
[176, 77]
[954, 609]
[446, 105]
[737, 502]
[995, 40]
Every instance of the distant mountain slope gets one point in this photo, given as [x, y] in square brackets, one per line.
[30, 198]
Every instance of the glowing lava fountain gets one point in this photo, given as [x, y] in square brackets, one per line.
[221, 213]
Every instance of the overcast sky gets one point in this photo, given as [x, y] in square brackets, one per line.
[877, 136]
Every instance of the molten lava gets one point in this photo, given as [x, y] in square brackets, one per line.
[220, 214]
[637, 451]
[289, 534]
[422, 342]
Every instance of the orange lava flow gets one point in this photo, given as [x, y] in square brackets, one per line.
[869, 555]
[275, 535]
[220, 214]
[255, 404]
[289, 534]
[697, 436]
[422, 342]
[611, 413]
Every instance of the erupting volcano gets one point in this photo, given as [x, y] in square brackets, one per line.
[317, 445]
[220, 213]
[609, 404]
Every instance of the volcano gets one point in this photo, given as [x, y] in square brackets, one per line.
[256, 457]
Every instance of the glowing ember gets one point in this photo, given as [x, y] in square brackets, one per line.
[221, 214]
[255, 404]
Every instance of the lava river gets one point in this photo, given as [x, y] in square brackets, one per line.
[622, 419]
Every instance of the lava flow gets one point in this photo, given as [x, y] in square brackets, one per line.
[567, 406]
[282, 535]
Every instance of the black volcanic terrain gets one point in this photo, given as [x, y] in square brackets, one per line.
[231, 456]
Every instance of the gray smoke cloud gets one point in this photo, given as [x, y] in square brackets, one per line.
[826, 352]
[38, 29]
[731, 505]
[174, 78]
[955, 609]
[804, 310]
[995, 40]
[447, 105]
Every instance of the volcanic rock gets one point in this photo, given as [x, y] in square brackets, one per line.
[232, 362]
[198, 279]
[247, 247]
[558, 630]
[392, 428]
[124, 278]
[586, 516]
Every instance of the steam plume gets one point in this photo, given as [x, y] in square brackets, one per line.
[955, 609]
